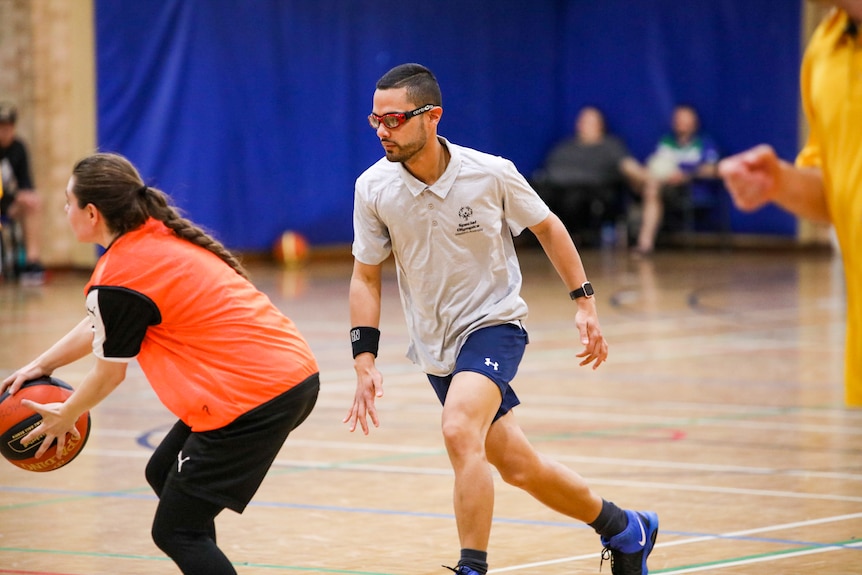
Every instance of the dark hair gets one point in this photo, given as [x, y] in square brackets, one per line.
[113, 185]
[422, 87]
[8, 113]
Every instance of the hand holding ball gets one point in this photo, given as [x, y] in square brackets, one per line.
[17, 420]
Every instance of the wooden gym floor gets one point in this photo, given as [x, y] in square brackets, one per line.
[721, 408]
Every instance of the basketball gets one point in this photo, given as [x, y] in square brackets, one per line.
[16, 421]
[290, 249]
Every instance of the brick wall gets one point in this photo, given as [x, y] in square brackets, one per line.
[47, 70]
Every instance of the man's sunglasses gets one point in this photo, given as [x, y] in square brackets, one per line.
[395, 119]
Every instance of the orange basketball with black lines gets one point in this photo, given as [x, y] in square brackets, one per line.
[17, 420]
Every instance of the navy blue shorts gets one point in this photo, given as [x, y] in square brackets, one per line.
[496, 353]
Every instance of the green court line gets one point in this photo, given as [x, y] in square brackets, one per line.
[82, 553]
[153, 558]
[774, 554]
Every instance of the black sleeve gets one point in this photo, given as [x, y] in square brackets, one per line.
[120, 319]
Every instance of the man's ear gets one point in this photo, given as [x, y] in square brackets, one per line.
[435, 114]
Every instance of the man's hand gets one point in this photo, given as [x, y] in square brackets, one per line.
[369, 386]
[595, 345]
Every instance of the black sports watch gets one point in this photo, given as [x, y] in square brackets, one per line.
[586, 290]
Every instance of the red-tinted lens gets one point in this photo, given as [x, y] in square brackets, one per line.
[389, 120]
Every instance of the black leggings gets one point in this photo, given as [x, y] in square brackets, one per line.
[220, 469]
[184, 525]
[184, 528]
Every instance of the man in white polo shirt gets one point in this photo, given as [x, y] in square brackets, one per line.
[448, 214]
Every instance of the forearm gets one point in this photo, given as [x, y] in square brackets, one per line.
[71, 347]
[558, 245]
[365, 288]
[707, 171]
[364, 300]
[561, 251]
[99, 382]
[801, 191]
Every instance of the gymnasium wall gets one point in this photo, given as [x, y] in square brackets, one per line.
[252, 114]
[47, 69]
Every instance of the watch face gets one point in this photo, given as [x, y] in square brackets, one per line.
[588, 289]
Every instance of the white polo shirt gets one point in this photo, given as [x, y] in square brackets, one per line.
[452, 242]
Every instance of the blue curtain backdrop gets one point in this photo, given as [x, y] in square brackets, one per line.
[252, 114]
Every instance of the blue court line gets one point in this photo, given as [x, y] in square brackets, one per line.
[71, 495]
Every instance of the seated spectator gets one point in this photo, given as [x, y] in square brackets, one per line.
[20, 201]
[680, 158]
[584, 177]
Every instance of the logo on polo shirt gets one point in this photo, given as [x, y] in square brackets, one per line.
[468, 222]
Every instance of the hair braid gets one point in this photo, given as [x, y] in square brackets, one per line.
[158, 207]
[112, 184]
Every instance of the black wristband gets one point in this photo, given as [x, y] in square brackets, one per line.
[365, 339]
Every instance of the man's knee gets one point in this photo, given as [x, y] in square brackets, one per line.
[458, 431]
[515, 475]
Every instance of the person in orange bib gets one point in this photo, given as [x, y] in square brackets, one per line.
[235, 371]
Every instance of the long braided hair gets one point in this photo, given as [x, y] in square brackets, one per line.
[113, 185]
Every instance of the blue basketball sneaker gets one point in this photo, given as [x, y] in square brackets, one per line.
[628, 551]
[462, 570]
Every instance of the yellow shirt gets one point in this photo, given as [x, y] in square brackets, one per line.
[831, 79]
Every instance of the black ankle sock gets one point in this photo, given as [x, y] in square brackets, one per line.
[475, 560]
[611, 520]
